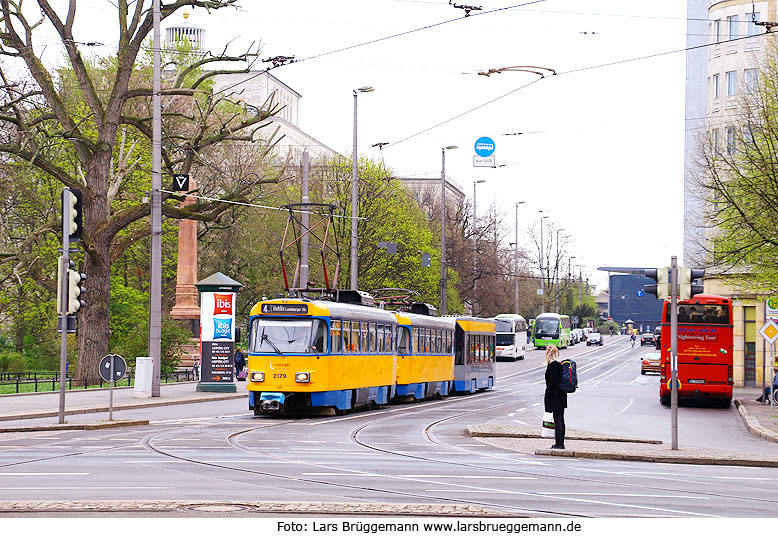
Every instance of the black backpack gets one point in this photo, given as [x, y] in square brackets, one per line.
[569, 381]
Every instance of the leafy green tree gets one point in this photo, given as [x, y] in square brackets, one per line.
[738, 184]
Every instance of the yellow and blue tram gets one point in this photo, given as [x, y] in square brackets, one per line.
[307, 354]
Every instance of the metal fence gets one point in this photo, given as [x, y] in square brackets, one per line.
[49, 381]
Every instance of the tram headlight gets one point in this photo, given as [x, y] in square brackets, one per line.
[302, 377]
[257, 377]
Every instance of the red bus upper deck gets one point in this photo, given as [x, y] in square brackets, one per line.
[704, 350]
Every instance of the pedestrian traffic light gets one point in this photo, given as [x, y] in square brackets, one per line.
[662, 287]
[72, 209]
[75, 290]
[687, 290]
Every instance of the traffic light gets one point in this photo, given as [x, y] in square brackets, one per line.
[662, 287]
[75, 290]
[687, 290]
[72, 209]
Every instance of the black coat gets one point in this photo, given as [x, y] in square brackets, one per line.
[554, 399]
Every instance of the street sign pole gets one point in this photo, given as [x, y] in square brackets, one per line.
[110, 390]
[674, 350]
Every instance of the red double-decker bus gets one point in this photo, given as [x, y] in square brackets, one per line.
[704, 350]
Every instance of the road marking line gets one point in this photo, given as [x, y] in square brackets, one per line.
[47, 488]
[741, 478]
[44, 474]
[468, 477]
[632, 495]
[631, 401]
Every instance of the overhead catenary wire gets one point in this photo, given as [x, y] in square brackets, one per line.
[249, 204]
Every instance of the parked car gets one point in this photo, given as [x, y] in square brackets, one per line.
[578, 333]
[650, 363]
[595, 339]
[648, 339]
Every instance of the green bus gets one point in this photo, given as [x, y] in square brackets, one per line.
[552, 330]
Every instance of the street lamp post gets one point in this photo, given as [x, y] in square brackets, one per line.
[542, 276]
[516, 256]
[556, 262]
[475, 248]
[443, 230]
[354, 192]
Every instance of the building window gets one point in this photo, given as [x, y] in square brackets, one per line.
[731, 82]
[752, 78]
[715, 140]
[749, 334]
[730, 140]
[716, 86]
[753, 29]
[717, 30]
[733, 30]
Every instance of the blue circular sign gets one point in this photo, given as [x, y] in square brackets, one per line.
[484, 146]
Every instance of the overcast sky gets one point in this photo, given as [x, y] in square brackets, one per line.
[603, 149]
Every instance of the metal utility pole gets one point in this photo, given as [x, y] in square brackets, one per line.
[155, 287]
[354, 193]
[306, 218]
[63, 304]
[542, 276]
[674, 350]
[516, 256]
[443, 230]
[475, 247]
[556, 270]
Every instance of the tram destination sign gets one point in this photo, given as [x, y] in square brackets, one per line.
[284, 308]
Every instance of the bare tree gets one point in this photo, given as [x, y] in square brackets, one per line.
[88, 124]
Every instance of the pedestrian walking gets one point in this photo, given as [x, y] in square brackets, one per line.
[555, 400]
[240, 362]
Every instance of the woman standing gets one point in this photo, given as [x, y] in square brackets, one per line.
[554, 399]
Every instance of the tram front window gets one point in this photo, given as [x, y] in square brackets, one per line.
[278, 335]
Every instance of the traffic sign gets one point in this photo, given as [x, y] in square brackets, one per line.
[484, 146]
[181, 182]
[485, 162]
[119, 367]
[771, 308]
[639, 293]
[769, 331]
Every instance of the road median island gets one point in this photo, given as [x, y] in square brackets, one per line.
[493, 430]
[91, 426]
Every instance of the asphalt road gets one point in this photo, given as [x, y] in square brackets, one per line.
[413, 453]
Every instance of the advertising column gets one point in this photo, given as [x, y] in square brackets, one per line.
[218, 333]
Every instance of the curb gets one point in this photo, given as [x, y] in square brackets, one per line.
[249, 508]
[659, 458]
[753, 425]
[124, 407]
[534, 433]
[55, 427]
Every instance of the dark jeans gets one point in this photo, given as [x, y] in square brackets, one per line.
[559, 427]
[766, 393]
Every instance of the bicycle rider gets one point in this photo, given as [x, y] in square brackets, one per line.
[633, 338]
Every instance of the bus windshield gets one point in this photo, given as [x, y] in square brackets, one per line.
[546, 326]
[503, 326]
[716, 314]
[505, 339]
[279, 335]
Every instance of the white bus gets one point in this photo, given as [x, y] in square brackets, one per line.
[511, 336]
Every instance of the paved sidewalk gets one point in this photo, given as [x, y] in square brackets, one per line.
[14, 407]
[580, 444]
